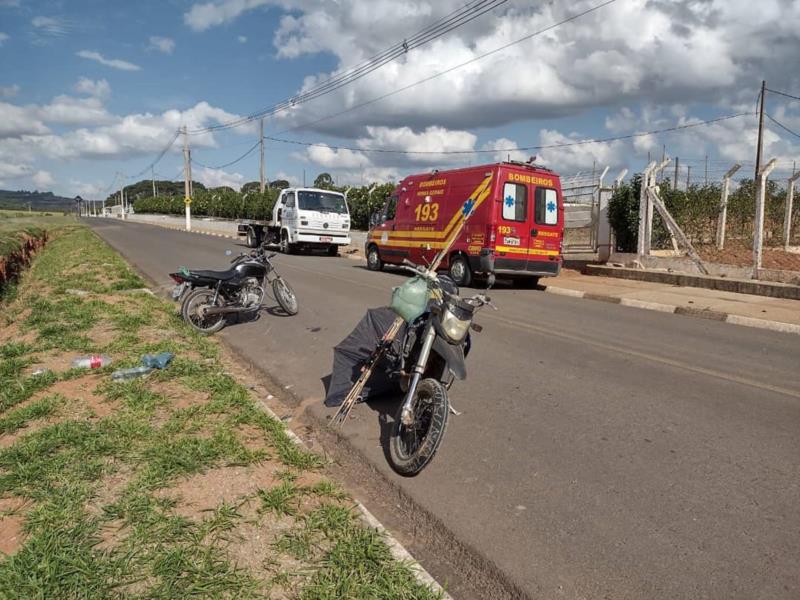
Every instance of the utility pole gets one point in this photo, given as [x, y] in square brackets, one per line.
[304, 178]
[153, 174]
[675, 179]
[760, 143]
[262, 186]
[187, 179]
[122, 201]
[688, 176]
[761, 200]
[706, 178]
[663, 158]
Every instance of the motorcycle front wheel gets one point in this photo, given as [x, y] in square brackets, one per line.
[192, 311]
[412, 447]
[285, 296]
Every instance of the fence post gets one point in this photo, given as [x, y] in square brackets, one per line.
[644, 202]
[787, 218]
[648, 235]
[758, 234]
[723, 205]
[603, 226]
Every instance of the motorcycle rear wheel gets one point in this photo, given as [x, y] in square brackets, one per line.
[285, 295]
[412, 447]
[192, 307]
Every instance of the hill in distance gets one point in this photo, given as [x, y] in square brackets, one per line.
[37, 200]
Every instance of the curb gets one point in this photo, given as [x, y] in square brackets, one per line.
[396, 548]
[688, 311]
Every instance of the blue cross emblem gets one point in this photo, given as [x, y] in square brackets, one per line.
[509, 200]
[467, 207]
[551, 206]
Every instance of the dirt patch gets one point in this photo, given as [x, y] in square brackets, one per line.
[102, 334]
[180, 396]
[53, 360]
[205, 491]
[13, 333]
[81, 400]
[741, 255]
[11, 535]
[154, 335]
[252, 437]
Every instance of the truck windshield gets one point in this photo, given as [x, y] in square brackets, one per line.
[321, 201]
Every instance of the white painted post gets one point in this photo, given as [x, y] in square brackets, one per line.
[761, 198]
[618, 179]
[641, 247]
[722, 221]
[603, 237]
[648, 236]
[787, 217]
[187, 179]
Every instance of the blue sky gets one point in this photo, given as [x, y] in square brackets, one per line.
[91, 88]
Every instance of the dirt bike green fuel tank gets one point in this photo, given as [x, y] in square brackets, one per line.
[410, 299]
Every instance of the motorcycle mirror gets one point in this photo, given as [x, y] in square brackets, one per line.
[228, 252]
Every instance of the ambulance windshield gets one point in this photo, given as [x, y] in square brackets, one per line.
[322, 202]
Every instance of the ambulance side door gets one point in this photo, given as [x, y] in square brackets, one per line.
[545, 229]
[389, 253]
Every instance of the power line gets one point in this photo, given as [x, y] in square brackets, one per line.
[158, 158]
[783, 94]
[500, 150]
[781, 125]
[453, 68]
[434, 31]
[233, 162]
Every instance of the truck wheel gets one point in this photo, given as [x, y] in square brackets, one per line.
[286, 247]
[374, 262]
[460, 272]
[333, 250]
[252, 238]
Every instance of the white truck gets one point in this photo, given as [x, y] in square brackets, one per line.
[302, 219]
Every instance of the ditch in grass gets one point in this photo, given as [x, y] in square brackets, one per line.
[174, 485]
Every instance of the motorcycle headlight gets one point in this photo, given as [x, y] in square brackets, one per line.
[454, 328]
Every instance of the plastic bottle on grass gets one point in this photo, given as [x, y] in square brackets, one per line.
[94, 361]
[132, 373]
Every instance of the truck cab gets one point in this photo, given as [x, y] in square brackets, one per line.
[304, 219]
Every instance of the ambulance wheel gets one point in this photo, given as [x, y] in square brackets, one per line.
[526, 283]
[374, 262]
[460, 272]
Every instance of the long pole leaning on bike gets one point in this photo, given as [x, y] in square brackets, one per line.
[366, 370]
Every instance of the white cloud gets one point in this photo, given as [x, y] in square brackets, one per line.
[161, 44]
[330, 158]
[9, 91]
[16, 121]
[217, 178]
[242, 39]
[210, 14]
[113, 63]
[67, 110]
[42, 180]
[3, 38]
[505, 149]
[9, 3]
[14, 170]
[99, 88]
[51, 26]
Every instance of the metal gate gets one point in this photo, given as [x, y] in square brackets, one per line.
[581, 194]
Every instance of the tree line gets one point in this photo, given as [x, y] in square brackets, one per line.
[248, 203]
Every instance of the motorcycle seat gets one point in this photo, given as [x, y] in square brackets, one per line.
[219, 275]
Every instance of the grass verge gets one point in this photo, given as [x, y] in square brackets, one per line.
[169, 486]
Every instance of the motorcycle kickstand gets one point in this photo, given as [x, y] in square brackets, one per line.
[452, 410]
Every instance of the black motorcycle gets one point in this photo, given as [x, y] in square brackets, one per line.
[434, 348]
[207, 297]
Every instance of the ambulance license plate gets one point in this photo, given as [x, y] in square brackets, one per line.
[511, 241]
[325, 238]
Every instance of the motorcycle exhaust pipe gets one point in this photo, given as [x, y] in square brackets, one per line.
[226, 310]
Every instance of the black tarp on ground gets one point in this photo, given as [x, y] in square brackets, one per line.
[349, 355]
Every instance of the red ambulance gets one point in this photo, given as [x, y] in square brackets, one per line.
[518, 217]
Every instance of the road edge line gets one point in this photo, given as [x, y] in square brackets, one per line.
[763, 324]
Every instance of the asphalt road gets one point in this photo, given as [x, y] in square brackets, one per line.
[603, 451]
